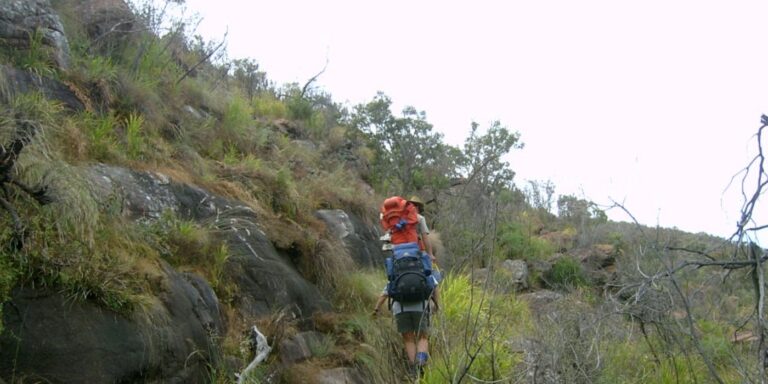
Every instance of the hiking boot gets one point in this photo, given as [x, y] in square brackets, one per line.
[413, 370]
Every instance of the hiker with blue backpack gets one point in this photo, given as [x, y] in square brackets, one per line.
[410, 282]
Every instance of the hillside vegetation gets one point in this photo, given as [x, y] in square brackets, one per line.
[597, 302]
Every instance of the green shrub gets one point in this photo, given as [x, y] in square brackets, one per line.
[627, 362]
[566, 273]
[102, 141]
[284, 196]
[267, 105]
[299, 108]
[517, 242]
[236, 119]
[134, 135]
[715, 341]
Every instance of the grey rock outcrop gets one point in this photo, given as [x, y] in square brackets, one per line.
[48, 336]
[361, 240]
[301, 347]
[21, 21]
[341, 375]
[537, 300]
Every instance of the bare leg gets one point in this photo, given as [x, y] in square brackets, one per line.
[423, 344]
[409, 339]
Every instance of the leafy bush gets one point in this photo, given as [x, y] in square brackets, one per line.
[516, 242]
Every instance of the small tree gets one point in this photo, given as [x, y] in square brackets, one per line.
[406, 147]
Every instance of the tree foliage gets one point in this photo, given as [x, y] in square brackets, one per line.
[484, 156]
[408, 151]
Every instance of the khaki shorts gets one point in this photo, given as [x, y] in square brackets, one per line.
[417, 322]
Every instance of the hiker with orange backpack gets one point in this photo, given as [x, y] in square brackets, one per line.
[410, 285]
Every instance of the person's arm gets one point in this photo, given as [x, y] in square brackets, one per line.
[428, 247]
[436, 297]
[424, 231]
[379, 302]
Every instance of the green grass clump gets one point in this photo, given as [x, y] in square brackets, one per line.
[36, 57]
[134, 140]
[472, 332]
[102, 142]
[358, 290]
[631, 360]
[99, 269]
[189, 245]
[566, 273]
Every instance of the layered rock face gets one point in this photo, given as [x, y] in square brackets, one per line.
[24, 23]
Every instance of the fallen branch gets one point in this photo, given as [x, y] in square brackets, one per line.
[262, 351]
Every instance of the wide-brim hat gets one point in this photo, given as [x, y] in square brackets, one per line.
[415, 200]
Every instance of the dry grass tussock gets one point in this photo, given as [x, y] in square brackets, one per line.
[329, 262]
[438, 248]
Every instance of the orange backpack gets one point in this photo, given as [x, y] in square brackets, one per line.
[400, 218]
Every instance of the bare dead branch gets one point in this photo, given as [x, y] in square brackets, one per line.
[312, 79]
[204, 58]
[693, 251]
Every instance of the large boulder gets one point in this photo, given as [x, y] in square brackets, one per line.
[21, 21]
[104, 20]
[49, 337]
[361, 240]
[515, 273]
[108, 24]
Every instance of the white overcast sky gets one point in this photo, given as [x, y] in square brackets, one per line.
[651, 103]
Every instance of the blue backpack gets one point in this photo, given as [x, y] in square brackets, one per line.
[409, 273]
